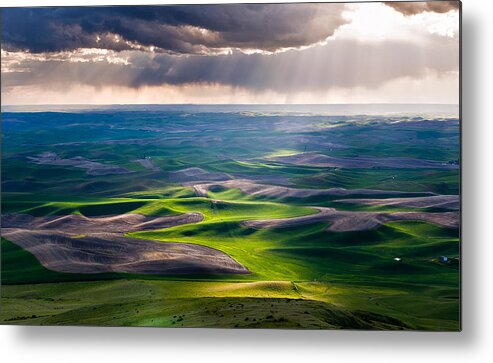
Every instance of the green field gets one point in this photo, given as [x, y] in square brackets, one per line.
[390, 276]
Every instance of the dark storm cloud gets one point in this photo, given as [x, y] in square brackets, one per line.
[340, 63]
[193, 29]
[413, 8]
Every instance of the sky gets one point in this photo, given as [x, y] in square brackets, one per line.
[305, 53]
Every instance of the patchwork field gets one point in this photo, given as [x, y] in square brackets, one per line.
[216, 217]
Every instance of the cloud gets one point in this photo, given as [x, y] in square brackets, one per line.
[432, 88]
[197, 29]
[413, 8]
[291, 52]
[341, 63]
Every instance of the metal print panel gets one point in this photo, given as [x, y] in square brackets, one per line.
[235, 166]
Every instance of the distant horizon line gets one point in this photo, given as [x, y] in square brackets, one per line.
[231, 104]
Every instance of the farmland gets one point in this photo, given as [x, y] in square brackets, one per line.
[217, 217]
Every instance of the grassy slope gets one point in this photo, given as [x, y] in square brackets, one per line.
[297, 272]
[347, 260]
[221, 304]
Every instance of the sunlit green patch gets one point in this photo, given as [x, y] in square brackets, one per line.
[218, 304]
[282, 152]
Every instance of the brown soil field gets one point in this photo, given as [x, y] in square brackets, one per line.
[110, 252]
[451, 202]
[362, 162]
[79, 244]
[254, 188]
[343, 221]
[78, 224]
[91, 167]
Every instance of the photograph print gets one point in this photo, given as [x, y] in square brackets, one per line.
[279, 166]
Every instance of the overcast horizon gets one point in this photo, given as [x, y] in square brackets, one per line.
[345, 53]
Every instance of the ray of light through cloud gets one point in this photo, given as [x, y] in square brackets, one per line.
[352, 53]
